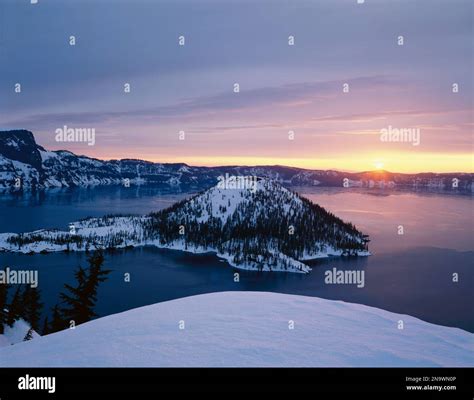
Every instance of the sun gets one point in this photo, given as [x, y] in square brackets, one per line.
[378, 165]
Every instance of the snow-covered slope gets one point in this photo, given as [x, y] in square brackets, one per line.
[248, 329]
[16, 333]
[262, 227]
[24, 162]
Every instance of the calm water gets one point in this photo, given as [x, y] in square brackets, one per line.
[408, 274]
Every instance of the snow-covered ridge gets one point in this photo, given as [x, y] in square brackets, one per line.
[266, 227]
[248, 329]
[23, 162]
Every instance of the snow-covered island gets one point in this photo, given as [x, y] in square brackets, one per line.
[248, 329]
[263, 227]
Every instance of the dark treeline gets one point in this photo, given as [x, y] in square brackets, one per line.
[279, 220]
[76, 305]
[25, 304]
[60, 239]
[72, 242]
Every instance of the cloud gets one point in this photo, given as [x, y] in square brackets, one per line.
[202, 106]
[384, 114]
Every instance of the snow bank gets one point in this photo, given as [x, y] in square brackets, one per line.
[247, 329]
[16, 333]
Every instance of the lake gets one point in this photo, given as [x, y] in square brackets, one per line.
[408, 274]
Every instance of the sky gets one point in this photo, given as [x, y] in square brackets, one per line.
[282, 87]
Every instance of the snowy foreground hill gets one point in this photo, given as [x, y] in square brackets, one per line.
[248, 329]
[262, 226]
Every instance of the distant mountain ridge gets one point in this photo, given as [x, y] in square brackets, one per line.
[26, 165]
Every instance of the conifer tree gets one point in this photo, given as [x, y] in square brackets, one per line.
[32, 306]
[81, 299]
[45, 329]
[77, 302]
[3, 306]
[57, 322]
[29, 335]
[15, 308]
